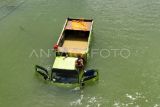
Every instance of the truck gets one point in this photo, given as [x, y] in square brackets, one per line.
[72, 46]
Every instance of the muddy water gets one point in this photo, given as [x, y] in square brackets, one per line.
[127, 78]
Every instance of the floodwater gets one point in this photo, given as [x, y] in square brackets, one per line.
[125, 45]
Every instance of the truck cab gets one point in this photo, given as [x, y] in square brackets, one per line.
[64, 71]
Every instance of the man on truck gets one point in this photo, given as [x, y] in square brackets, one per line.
[80, 63]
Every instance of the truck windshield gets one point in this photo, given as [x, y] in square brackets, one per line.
[64, 76]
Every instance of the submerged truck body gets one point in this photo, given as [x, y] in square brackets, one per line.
[74, 41]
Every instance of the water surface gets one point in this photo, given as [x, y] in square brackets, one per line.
[27, 25]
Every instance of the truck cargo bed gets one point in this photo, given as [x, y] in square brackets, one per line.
[75, 37]
[75, 45]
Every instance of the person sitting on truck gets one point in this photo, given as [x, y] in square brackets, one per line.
[79, 62]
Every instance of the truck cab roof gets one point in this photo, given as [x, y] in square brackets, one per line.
[67, 63]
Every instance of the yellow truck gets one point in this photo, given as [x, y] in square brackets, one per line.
[71, 49]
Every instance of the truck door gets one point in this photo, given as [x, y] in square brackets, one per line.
[89, 75]
[42, 71]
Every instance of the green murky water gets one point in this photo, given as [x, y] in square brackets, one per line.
[27, 25]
